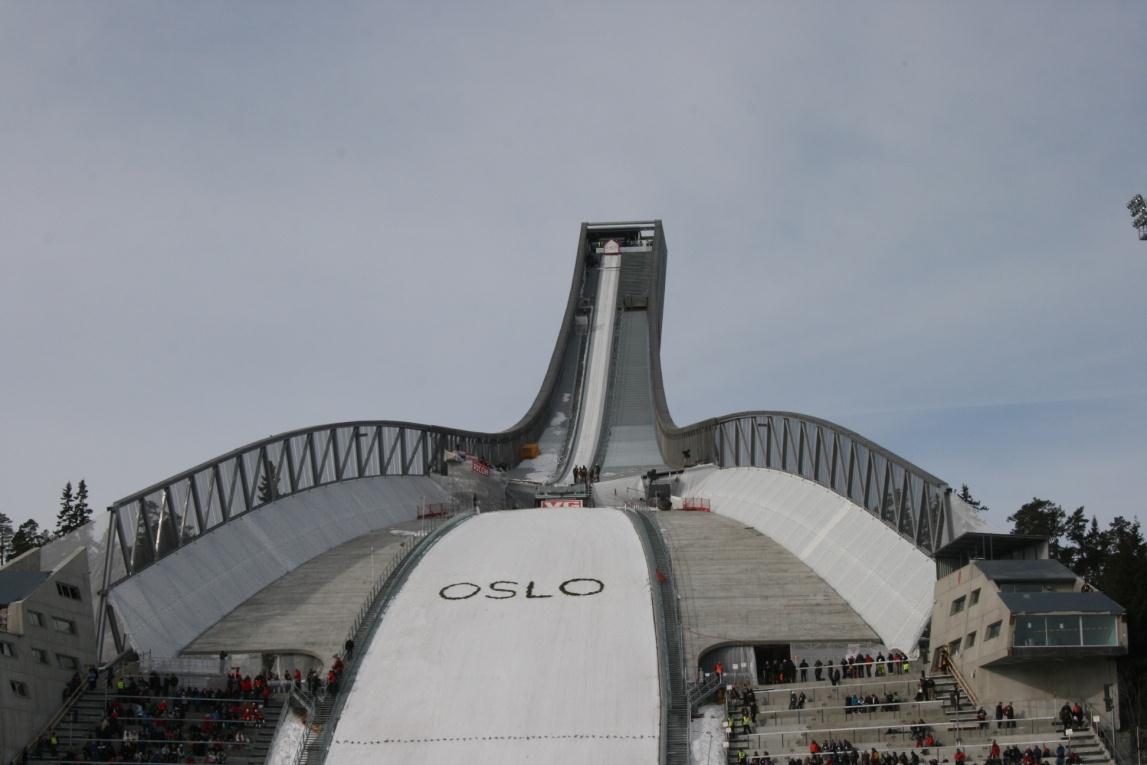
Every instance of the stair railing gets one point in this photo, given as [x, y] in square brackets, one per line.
[71, 700]
[1095, 722]
[946, 662]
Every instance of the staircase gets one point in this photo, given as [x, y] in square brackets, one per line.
[959, 709]
[324, 706]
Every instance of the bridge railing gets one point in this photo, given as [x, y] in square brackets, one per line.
[911, 501]
[147, 526]
[150, 524]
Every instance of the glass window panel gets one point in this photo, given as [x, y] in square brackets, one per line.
[993, 630]
[1099, 630]
[957, 605]
[975, 597]
[1030, 631]
[1063, 630]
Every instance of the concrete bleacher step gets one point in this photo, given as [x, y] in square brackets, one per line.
[1083, 743]
[79, 724]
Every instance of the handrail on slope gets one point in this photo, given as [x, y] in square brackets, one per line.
[675, 702]
[384, 598]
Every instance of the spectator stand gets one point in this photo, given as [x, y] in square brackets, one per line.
[148, 719]
[786, 728]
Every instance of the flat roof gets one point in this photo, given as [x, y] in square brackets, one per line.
[17, 585]
[1025, 570]
[1060, 602]
[979, 544]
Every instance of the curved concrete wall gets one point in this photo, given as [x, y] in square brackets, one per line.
[168, 604]
[884, 577]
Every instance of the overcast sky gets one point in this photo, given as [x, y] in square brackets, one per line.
[220, 221]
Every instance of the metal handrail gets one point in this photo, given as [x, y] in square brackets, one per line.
[386, 595]
[69, 702]
[947, 660]
[1108, 747]
[389, 568]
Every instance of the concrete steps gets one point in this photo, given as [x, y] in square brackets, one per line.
[81, 726]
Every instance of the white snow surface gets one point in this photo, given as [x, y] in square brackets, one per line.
[288, 739]
[494, 678]
[707, 736]
[545, 464]
[596, 379]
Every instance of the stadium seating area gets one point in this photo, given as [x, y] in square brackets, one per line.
[174, 719]
[815, 723]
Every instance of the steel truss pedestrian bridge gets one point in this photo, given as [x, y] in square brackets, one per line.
[806, 483]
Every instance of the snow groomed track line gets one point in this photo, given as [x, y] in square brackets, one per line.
[522, 636]
[592, 406]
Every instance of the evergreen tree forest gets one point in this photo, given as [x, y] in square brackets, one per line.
[1114, 561]
[74, 512]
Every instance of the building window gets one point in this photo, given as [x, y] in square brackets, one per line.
[68, 591]
[957, 606]
[66, 626]
[970, 640]
[993, 630]
[1099, 630]
[40, 655]
[3, 618]
[1031, 632]
[7, 649]
[35, 618]
[975, 597]
[1066, 630]
[67, 662]
[19, 688]
[954, 647]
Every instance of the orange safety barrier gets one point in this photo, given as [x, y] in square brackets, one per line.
[699, 504]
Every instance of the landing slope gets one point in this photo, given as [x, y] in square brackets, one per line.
[462, 671]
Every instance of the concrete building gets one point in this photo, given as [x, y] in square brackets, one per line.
[1025, 629]
[47, 635]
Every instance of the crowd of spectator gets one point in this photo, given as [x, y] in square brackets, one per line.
[872, 702]
[155, 719]
[833, 752]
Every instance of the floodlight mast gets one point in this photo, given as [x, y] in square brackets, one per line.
[1138, 209]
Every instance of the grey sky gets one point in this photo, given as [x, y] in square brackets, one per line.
[224, 220]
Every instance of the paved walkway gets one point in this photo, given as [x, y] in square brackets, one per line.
[310, 609]
[738, 586]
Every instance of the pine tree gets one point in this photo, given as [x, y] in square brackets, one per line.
[67, 510]
[6, 533]
[1045, 518]
[27, 537]
[966, 494]
[269, 483]
[82, 513]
